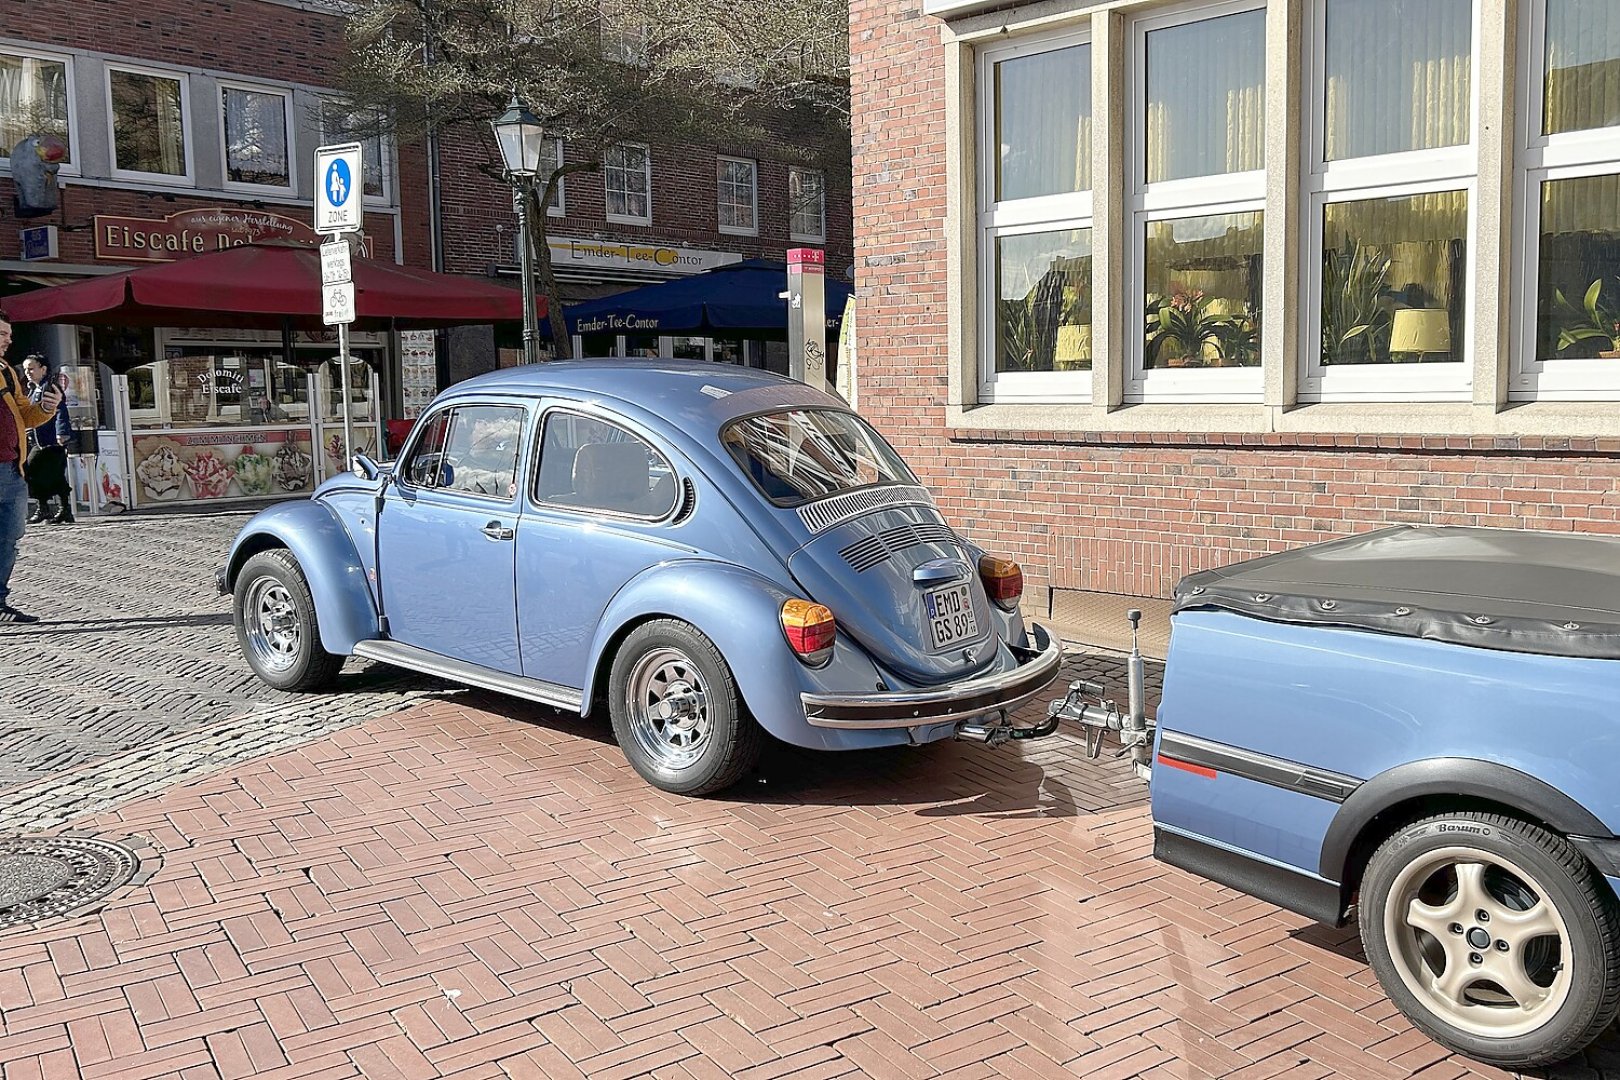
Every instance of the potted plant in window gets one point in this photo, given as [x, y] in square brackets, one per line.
[1180, 327]
[1240, 337]
[1590, 322]
[1355, 324]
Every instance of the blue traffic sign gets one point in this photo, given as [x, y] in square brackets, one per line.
[339, 183]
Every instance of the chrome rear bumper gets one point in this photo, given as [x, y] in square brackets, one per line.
[1003, 691]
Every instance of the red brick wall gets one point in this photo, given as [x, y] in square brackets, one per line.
[1131, 513]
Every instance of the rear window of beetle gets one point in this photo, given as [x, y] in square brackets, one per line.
[800, 455]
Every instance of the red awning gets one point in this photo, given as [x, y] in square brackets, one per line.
[267, 286]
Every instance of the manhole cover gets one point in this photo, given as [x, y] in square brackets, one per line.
[42, 877]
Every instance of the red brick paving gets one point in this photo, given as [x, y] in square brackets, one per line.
[467, 890]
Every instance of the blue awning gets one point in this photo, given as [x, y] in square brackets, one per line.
[739, 298]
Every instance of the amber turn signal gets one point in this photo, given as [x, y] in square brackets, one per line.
[810, 630]
[1003, 581]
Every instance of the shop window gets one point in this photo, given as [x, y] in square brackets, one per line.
[737, 184]
[1391, 182]
[1198, 191]
[35, 99]
[148, 113]
[339, 125]
[627, 183]
[1569, 339]
[688, 348]
[643, 346]
[254, 124]
[807, 205]
[1035, 220]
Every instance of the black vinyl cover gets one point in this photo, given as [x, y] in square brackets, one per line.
[1557, 594]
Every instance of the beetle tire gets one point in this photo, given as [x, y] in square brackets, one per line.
[290, 657]
[669, 660]
[1425, 876]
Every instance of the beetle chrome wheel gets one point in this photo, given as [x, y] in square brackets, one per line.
[271, 625]
[1477, 940]
[668, 708]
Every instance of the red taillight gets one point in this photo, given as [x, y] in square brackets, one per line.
[810, 630]
[1003, 581]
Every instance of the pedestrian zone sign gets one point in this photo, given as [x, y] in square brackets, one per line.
[339, 199]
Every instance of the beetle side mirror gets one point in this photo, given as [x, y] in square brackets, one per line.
[365, 468]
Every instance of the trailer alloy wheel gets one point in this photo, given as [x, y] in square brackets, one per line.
[1494, 936]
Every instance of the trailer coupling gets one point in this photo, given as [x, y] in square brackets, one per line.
[1088, 705]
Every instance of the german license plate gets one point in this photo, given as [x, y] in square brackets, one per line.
[950, 615]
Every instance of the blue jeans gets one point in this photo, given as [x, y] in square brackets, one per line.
[13, 519]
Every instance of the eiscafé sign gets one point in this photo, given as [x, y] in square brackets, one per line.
[193, 232]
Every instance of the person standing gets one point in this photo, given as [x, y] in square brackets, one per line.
[17, 415]
[47, 461]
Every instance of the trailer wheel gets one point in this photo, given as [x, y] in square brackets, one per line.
[1494, 936]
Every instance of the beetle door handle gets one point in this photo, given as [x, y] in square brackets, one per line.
[496, 531]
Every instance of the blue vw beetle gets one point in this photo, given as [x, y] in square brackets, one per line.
[714, 553]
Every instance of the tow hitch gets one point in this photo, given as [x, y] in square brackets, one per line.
[1087, 705]
[994, 734]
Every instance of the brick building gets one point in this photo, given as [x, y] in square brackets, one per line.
[1153, 287]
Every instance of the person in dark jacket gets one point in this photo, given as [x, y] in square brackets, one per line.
[17, 415]
[47, 455]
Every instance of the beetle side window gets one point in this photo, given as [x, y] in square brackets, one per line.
[481, 452]
[595, 465]
[421, 468]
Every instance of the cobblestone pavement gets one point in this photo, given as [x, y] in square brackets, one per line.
[463, 885]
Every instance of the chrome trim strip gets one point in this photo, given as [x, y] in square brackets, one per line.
[823, 514]
[1261, 768]
[914, 708]
[431, 663]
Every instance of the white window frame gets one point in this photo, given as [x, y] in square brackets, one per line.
[1171, 200]
[1542, 158]
[71, 167]
[1410, 172]
[629, 45]
[804, 237]
[561, 208]
[385, 152]
[646, 168]
[1063, 212]
[188, 127]
[753, 194]
[287, 126]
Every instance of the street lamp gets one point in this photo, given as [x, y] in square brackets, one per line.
[521, 138]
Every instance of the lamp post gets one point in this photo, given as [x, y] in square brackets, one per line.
[521, 138]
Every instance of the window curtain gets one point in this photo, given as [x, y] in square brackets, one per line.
[1043, 124]
[1398, 76]
[33, 100]
[1583, 66]
[256, 129]
[1206, 99]
[170, 127]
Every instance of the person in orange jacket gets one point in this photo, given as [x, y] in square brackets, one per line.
[17, 415]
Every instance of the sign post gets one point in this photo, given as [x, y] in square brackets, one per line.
[807, 316]
[339, 214]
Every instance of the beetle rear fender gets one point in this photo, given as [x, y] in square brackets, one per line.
[344, 609]
[741, 612]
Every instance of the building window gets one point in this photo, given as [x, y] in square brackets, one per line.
[627, 181]
[625, 33]
[148, 113]
[1197, 203]
[1034, 220]
[1390, 192]
[807, 205]
[35, 99]
[339, 125]
[737, 182]
[551, 159]
[1569, 339]
[254, 125]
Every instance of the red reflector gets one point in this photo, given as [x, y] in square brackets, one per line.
[1187, 766]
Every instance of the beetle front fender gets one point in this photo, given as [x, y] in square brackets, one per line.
[344, 609]
[740, 611]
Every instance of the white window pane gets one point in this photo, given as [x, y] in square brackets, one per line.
[625, 181]
[1206, 99]
[735, 181]
[1203, 291]
[1393, 273]
[255, 137]
[148, 123]
[807, 197]
[1583, 66]
[1043, 301]
[1398, 76]
[338, 126]
[33, 100]
[1043, 124]
[1578, 314]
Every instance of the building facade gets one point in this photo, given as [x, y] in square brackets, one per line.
[1153, 287]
